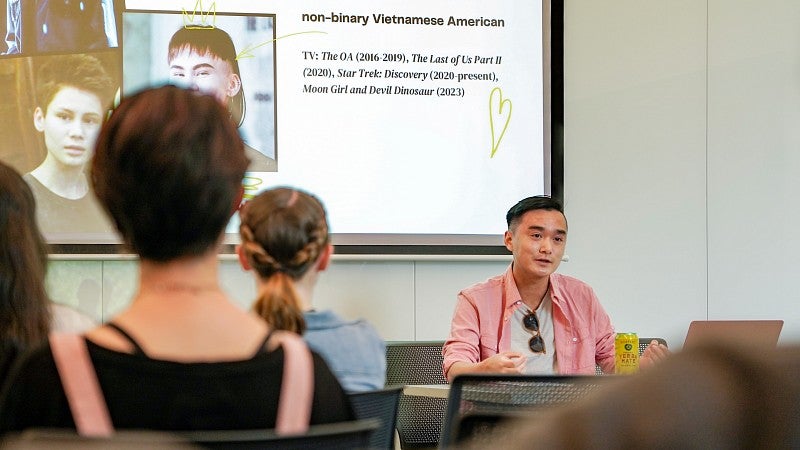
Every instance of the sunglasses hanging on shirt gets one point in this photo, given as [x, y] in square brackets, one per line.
[531, 322]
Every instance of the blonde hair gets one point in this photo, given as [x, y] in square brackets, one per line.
[284, 231]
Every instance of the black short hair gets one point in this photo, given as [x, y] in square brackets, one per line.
[530, 204]
[168, 169]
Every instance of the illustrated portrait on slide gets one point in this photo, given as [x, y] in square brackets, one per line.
[228, 56]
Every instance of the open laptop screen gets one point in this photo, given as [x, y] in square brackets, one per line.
[757, 333]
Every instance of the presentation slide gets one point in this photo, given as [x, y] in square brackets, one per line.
[415, 122]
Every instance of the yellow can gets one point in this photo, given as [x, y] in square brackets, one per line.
[626, 351]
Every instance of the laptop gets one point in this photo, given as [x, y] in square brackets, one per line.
[758, 333]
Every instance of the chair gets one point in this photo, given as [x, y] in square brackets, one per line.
[58, 439]
[643, 343]
[340, 436]
[419, 419]
[478, 402]
[380, 404]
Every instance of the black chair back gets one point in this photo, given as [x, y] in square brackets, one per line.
[419, 419]
[338, 436]
[66, 439]
[379, 404]
[477, 403]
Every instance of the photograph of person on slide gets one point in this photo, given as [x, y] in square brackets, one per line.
[73, 95]
[46, 26]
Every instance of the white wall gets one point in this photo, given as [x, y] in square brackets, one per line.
[404, 299]
[681, 173]
[635, 159]
[754, 161]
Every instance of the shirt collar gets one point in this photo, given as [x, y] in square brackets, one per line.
[511, 292]
[512, 296]
[322, 319]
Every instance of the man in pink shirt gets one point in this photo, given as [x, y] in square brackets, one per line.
[530, 319]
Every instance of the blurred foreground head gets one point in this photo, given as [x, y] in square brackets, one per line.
[168, 169]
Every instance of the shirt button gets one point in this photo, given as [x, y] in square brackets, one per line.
[574, 339]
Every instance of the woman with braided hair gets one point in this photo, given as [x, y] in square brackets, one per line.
[285, 241]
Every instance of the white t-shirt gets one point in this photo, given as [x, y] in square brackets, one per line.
[537, 363]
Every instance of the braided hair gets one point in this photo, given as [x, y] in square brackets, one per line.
[283, 231]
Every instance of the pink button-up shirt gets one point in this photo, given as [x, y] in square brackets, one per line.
[481, 325]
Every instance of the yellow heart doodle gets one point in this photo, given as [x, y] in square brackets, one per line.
[501, 103]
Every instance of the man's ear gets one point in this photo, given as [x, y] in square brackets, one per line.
[38, 119]
[324, 258]
[508, 240]
[242, 258]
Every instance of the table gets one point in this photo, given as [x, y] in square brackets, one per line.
[510, 392]
[427, 390]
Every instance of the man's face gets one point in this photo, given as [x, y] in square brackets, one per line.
[537, 241]
[70, 125]
[206, 73]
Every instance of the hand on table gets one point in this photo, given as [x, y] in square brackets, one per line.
[504, 362]
[654, 353]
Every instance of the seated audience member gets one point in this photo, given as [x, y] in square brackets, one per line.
[530, 319]
[712, 397]
[26, 313]
[182, 356]
[285, 240]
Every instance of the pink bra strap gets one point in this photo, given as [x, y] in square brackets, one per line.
[89, 410]
[297, 387]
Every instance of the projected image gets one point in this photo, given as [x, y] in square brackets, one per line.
[46, 26]
[401, 114]
[229, 57]
[52, 132]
